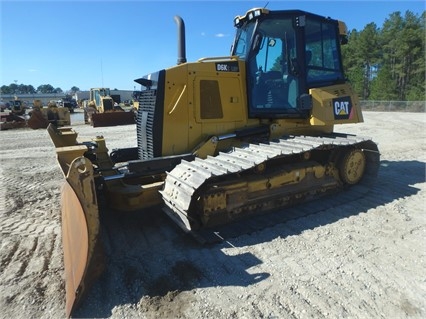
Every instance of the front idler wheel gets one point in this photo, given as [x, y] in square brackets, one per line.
[352, 166]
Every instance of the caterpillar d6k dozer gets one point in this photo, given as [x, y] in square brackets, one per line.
[103, 111]
[223, 138]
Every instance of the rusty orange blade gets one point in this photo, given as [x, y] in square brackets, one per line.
[83, 256]
[37, 120]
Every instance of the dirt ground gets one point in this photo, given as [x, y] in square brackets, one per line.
[362, 258]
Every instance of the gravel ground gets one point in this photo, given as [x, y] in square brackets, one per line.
[360, 258]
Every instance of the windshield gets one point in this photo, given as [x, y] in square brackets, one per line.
[242, 41]
[104, 92]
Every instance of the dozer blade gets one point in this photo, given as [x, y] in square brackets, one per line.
[61, 137]
[37, 120]
[83, 255]
[113, 119]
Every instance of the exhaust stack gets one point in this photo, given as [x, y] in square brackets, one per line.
[181, 40]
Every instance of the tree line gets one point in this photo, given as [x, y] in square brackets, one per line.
[29, 89]
[386, 63]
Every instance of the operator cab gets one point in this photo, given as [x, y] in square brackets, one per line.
[286, 54]
[101, 97]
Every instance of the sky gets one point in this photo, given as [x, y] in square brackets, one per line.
[105, 43]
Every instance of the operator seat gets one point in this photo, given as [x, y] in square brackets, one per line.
[274, 89]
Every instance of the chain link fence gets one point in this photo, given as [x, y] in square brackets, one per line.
[394, 106]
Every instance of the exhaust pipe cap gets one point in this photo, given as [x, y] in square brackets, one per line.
[181, 40]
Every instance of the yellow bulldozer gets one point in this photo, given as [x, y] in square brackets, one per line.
[222, 138]
[102, 110]
[41, 117]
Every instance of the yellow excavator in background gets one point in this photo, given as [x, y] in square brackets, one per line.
[222, 138]
[103, 111]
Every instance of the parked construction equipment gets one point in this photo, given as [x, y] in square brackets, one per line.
[103, 111]
[38, 117]
[41, 117]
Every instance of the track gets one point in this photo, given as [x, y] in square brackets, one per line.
[188, 184]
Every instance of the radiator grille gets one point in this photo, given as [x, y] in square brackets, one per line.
[145, 124]
[108, 105]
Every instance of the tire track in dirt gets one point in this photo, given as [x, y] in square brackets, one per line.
[3, 201]
[19, 260]
[32, 226]
[303, 295]
[30, 200]
[31, 269]
[8, 250]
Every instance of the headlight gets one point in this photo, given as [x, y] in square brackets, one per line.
[251, 14]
